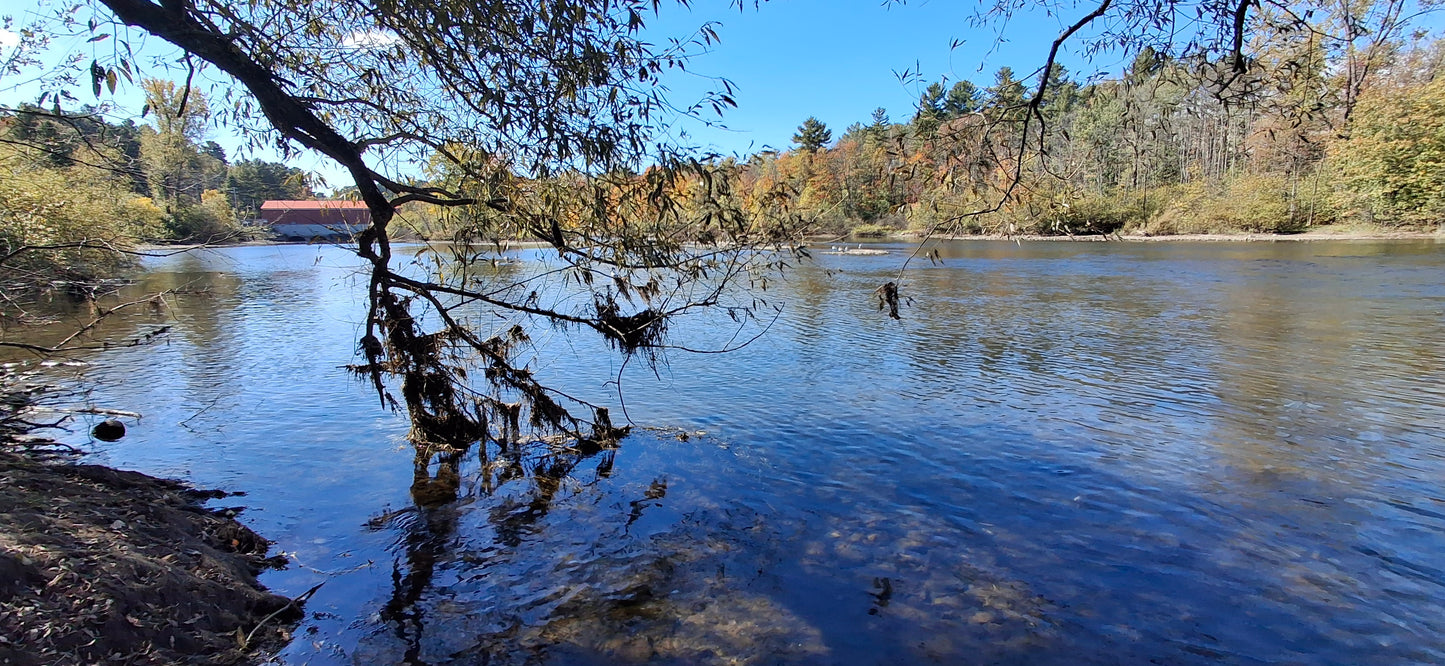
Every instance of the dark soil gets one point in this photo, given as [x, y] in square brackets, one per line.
[105, 566]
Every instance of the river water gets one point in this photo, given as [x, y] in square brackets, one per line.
[1064, 453]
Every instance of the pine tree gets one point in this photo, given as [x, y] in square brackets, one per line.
[812, 135]
[962, 100]
[930, 104]
[879, 128]
[1005, 96]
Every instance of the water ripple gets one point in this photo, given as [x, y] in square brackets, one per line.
[1064, 453]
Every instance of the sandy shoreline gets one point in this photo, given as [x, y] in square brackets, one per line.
[1305, 237]
[1343, 233]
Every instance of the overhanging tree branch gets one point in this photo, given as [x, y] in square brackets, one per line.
[534, 118]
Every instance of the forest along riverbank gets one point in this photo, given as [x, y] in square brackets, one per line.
[103, 565]
[1322, 234]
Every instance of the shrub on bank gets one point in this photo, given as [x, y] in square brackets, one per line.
[1242, 204]
[1095, 213]
[211, 221]
[61, 209]
[871, 231]
[1392, 168]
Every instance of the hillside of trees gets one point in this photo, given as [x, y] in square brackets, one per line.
[74, 177]
[1307, 138]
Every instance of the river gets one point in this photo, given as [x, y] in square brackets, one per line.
[1064, 453]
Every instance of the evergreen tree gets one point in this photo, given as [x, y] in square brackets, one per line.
[880, 117]
[930, 104]
[878, 130]
[1062, 95]
[812, 135]
[69, 137]
[253, 182]
[930, 110]
[962, 100]
[215, 151]
[1005, 96]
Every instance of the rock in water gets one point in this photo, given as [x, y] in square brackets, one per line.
[109, 430]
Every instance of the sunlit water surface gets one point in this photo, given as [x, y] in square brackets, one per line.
[1064, 453]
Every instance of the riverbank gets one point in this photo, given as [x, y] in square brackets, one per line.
[99, 565]
[1324, 233]
[1331, 233]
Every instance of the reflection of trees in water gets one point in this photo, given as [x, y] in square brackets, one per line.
[204, 309]
[431, 536]
[486, 266]
[205, 299]
[1260, 320]
[1330, 358]
[1051, 339]
[225, 315]
[83, 321]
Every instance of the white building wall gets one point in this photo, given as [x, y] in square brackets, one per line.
[316, 230]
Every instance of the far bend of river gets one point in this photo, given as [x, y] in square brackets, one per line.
[1065, 453]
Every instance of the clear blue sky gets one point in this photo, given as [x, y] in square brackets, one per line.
[790, 59]
[836, 60]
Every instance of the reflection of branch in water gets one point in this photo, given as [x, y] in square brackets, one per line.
[203, 410]
[428, 490]
[514, 519]
[604, 466]
[429, 538]
[425, 542]
[655, 491]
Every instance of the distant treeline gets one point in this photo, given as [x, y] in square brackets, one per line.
[1306, 137]
[75, 179]
[195, 190]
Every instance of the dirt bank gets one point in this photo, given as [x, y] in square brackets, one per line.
[1323, 234]
[1320, 234]
[105, 566]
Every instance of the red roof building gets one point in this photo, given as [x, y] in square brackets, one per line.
[315, 219]
[339, 213]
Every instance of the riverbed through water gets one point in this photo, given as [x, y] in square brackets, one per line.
[1063, 453]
